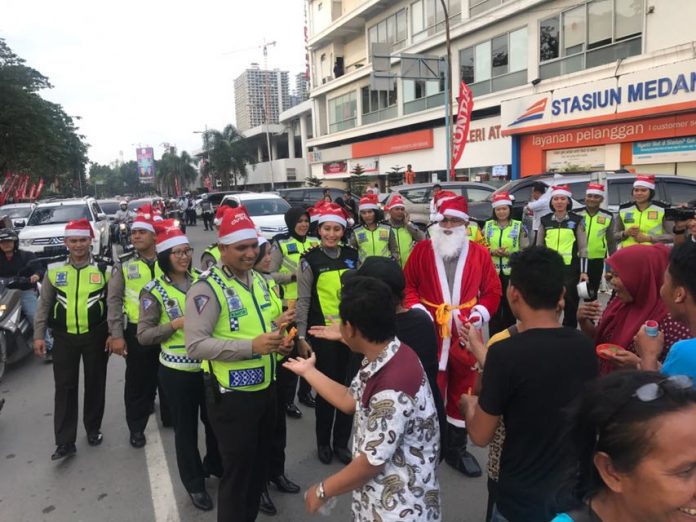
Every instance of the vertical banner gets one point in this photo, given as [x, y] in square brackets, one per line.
[39, 189]
[461, 131]
[146, 164]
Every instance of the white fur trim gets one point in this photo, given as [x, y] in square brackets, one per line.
[368, 206]
[455, 213]
[641, 183]
[332, 218]
[171, 243]
[142, 225]
[77, 232]
[483, 312]
[239, 235]
[502, 202]
[396, 205]
[558, 192]
[596, 192]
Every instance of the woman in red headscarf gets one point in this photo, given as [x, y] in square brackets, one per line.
[636, 277]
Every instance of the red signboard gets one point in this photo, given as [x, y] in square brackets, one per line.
[335, 168]
[416, 140]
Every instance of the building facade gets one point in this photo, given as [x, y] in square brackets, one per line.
[257, 91]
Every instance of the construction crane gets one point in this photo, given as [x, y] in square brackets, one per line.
[264, 46]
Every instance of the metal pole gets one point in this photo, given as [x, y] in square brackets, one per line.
[448, 89]
[448, 115]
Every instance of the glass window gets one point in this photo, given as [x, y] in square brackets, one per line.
[482, 61]
[518, 50]
[499, 55]
[266, 207]
[391, 30]
[548, 34]
[573, 30]
[628, 18]
[417, 195]
[466, 62]
[343, 112]
[496, 64]
[401, 25]
[417, 21]
[680, 191]
[365, 99]
[620, 191]
[477, 194]
[58, 214]
[599, 30]
[522, 193]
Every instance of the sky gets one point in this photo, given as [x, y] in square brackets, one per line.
[150, 72]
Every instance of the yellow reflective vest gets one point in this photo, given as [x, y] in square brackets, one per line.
[508, 238]
[136, 274]
[648, 221]
[292, 250]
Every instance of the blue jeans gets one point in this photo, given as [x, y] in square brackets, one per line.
[29, 303]
[496, 516]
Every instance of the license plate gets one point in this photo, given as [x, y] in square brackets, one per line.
[55, 250]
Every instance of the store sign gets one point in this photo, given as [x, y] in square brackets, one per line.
[335, 168]
[417, 140]
[582, 158]
[650, 91]
[664, 151]
[368, 165]
[499, 171]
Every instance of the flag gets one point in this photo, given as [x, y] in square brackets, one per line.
[31, 191]
[461, 131]
[39, 188]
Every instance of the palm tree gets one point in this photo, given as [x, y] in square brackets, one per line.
[228, 154]
[173, 169]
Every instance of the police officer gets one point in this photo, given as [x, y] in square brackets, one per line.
[206, 212]
[406, 233]
[73, 303]
[371, 237]
[642, 222]
[599, 227]
[230, 324]
[564, 232]
[211, 255]
[129, 275]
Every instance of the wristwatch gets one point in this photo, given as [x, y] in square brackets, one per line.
[321, 495]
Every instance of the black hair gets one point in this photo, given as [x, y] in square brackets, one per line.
[495, 218]
[437, 185]
[537, 272]
[651, 193]
[165, 262]
[262, 252]
[379, 216]
[682, 261]
[569, 206]
[362, 305]
[539, 186]
[608, 418]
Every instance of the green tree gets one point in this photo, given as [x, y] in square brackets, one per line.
[174, 167]
[228, 154]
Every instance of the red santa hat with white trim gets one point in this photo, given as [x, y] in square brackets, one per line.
[561, 190]
[395, 202]
[595, 188]
[442, 196]
[645, 181]
[219, 213]
[457, 207]
[78, 228]
[315, 210]
[334, 214]
[236, 226]
[502, 199]
[168, 235]
[142, 223]
[369, 202]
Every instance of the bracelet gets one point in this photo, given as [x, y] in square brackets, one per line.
[321, 494]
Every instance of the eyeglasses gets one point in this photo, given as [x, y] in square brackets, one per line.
[182, 253]
[453, 221]
[654, 390]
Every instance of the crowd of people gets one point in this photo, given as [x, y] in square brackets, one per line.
[386, 323]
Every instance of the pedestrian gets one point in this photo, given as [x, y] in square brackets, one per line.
[211, 255]
[528, 380]
[409, 176]
[373, 237]
[599, 228]
[504, 236]
[406, 233]
[206, 212]
[318, 290]
[393, 474]
[231, 325]
[350, 205]
[285, 253]
[162, 308]
[637, 275]
[564, 232]
[454, 280]
[642, 221]
[437, 188]
[73, 304]
[538, 207]
[635, 448]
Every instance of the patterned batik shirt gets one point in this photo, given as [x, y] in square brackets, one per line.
[395, 425]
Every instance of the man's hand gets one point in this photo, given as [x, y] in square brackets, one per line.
[584, 277]
[312, 503]
[34, 279]
[301, 366]
[643, 238]
[117, 345]
[470, 338]
[266, 343]
[649, 348]
[331, 332]
[304, 348]
[633, 231]
[467, 405]
[178, 323]
[39, 347]
[590, 311]
[287, 317]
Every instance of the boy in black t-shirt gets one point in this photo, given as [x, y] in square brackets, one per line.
[528, 380]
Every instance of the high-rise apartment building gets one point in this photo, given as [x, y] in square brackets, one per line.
[257, 91]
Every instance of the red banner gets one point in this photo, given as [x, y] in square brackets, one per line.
[461, 131]
[39, 189]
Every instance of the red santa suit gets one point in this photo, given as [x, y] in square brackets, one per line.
[476, 290]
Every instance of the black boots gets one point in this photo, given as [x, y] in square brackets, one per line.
[456, 454]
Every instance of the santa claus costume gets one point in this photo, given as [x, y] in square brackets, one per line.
[454, 280]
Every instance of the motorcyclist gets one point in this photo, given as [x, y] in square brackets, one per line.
[122, 216]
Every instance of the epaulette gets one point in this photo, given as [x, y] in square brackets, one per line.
[150, 286]
[660, 204]
[310, 250]
[627, 204]
[196, 271]
[280, 237]
[204, 274]
[125, 257]
[211, 246]
[606, 212]
[58, 262]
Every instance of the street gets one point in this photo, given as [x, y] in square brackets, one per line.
[115, 482]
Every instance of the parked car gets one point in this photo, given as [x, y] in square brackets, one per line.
[17, 212]
[266, 210]
[417, 196]
[135, 204]
[305, 197]
[45, 227]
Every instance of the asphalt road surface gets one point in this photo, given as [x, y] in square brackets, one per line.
[117, 483]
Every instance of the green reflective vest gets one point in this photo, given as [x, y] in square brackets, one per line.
[405, 243]
[136, 274]
[649, 221]
[245, 313]
[292, 250]
[80, 296]
[597, 227]
[474, 233]
[507, 238]
[372, 242]
[172, 302]
[560, 236]
[214, 251]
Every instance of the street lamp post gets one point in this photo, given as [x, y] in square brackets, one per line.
[448, 92]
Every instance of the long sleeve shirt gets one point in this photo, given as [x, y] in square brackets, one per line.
[115, 297]
[150, 331]
[305, 282]
[539, 209]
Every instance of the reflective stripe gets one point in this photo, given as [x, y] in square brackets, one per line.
[405, 243]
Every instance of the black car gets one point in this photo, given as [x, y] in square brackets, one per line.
[305, 197]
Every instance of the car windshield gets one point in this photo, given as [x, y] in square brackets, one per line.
[109, 207]
[134, 205]
[266, 207]
[58, 214]
[16, 212]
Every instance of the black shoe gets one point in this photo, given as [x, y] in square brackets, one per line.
[48, 357]
[201, 500]
[266, 505]
[307, 400]
[464, 462]
[343, 455]
[293, 411]
[137, 439]
[64, 450]
[284, 484]
[325, 454]
[95, 439]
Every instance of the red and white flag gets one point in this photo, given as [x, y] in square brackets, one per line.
[461, 131]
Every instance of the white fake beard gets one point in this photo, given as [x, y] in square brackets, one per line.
[448, 245]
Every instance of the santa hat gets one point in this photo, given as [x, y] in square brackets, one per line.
[457, 207]
[169, 235]
[595, 188]
[442, 196]
[219, 213]
[369, 202]
[79, 228]
[147, 211]
[561, 190]
[502, 199]
[395, 202]
[315, 210]
[332, 213]
[142, 223]
[645, 181]
[236, 226]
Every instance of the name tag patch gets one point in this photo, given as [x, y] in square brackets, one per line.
[173, 309]
[384, 235]
[628, 217]
[62, 279]
[234, 307]
[95, 279]
[292, 248]
[133, 272]
[571, 225]
[652, 214]
[601, 220]
[362, 237]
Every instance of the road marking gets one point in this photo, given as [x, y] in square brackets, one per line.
[161, 486]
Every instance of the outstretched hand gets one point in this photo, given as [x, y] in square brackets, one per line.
[301, 366]
[331, 332]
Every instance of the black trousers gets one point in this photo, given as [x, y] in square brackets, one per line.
[279, 439]
[595, 269]
[492, 497]
[68, 349]
[503, 317]
[142, 365]
[186, 398]
[208, 220]
[243, 423]
[287, 384]
[571, 277]
[337, 362]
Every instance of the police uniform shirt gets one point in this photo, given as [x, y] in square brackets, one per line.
[665, 237]
[416, 233]
[150, 331]
[115, 296]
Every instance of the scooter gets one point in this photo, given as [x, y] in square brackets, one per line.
[15, 330]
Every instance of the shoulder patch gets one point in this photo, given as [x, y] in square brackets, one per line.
[304, 265]
[147, 302]
[200, 301]
[126, 256]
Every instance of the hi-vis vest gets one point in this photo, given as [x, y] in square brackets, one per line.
[560, 236]
[172, 303]
[597, 227]
[649, 221]
[136, 274]
[292, 250]
[245, 313]
[372, 242]
[214, 251]
[507, 238]
[405, 243]
[475, 234]
[80, 296]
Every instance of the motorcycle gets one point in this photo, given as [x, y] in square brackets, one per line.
[16, 331]
[124, 235]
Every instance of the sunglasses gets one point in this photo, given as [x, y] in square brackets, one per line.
[654, 390]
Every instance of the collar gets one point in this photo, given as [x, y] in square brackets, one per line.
[150, 262]
[249, 276]
[369, 369]
[81, 265]
[565, 218]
